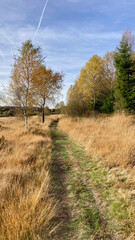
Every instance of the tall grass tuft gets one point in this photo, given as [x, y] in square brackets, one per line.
[26, 207]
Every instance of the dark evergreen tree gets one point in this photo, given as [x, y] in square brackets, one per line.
[108, 104]
[125, 77]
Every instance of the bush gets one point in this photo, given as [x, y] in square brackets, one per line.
[63, 110]
[47, 110]
[76, 107]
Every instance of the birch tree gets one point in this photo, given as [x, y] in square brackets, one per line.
[76, 105]
[21, 87]
[90, 81]
[47, 85]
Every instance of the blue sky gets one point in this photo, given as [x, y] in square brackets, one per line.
[70, 33]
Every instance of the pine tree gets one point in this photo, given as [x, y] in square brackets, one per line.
[125, 77]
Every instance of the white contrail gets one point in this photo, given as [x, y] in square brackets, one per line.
[40, 19]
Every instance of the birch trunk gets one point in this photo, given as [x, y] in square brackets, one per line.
[43, 115]
[26, 121]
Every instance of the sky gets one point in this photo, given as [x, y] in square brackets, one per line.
[71, 31]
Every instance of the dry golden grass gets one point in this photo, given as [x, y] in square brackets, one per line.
[26, 207]
[112, 138]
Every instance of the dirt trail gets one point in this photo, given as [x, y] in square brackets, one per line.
[59, 187]
[81, 213]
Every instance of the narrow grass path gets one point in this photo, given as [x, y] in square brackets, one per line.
[81, 214]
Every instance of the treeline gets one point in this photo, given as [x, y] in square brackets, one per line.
[11, 111]
[106, 84]
[7, 111]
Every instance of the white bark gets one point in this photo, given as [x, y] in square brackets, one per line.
[26, 121]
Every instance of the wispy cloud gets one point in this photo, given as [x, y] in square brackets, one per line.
[66, 50]
[71, 32]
